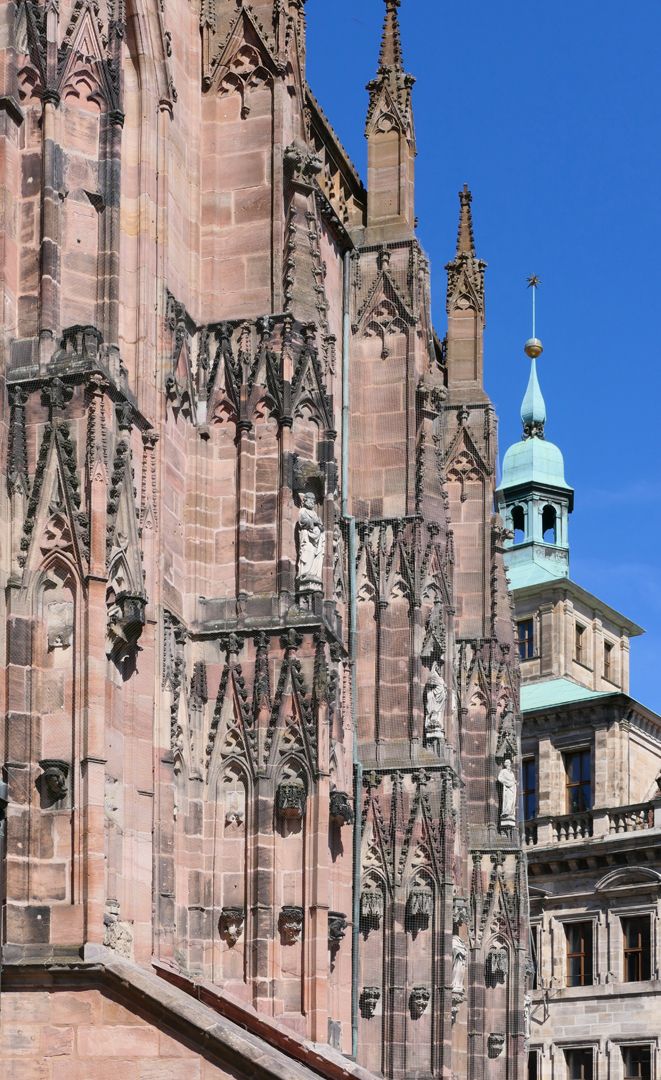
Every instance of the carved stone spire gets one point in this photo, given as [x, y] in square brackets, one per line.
[465, 238]
[390, 135]
[465, 305]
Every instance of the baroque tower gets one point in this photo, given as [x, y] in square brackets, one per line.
[262, 707]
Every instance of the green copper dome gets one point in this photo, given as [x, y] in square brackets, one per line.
[534, 462]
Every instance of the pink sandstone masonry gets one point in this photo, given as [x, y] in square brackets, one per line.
[260, 677]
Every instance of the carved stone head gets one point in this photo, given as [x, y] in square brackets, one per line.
[337, 928]
[55, 779]
[341, 811]
[290, 924]
[419, 1000]
[369, 999]
[230, 924]
[496, 1043]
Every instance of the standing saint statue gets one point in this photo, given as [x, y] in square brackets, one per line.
[311, 542]
[459, 961]
[436, 695]
[507, 781]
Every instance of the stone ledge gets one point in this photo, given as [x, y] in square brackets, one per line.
[216, 1036]
[322, 1059]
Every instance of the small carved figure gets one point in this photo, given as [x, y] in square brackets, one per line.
[234, 809]
[230, 924]
[311, 542]
[369, 999]
[371, 907]
[419, 908]
[291, 924]
[291, 799]
[498, 964]
[418, 1001]
[436, 695]
[507, 781]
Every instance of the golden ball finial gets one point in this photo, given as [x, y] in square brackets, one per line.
[533, 348]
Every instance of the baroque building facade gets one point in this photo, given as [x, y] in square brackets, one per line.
[261, 694]
[591, 798]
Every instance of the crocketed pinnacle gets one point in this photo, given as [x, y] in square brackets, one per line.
[391, 75]
[465, 238]
[533, 407]
[390, 57]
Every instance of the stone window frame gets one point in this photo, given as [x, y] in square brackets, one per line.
[631, 910]
[563, 1045]
[616, 1070]
[593, 917]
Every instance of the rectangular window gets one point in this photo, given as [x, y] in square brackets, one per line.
[526, 639]
[637, 1061]
[533, 1065]
[580, 1063]
[637, 952]
[535, 957]
[529, 777]
[579, 647]
[608, 661]
[579, 953]
[578, 782]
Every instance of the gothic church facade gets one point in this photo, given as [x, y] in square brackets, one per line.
[261, 738]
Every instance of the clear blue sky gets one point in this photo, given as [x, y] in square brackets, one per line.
[551, 112]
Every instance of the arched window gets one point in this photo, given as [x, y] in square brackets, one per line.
[549, 525]
[519, 524]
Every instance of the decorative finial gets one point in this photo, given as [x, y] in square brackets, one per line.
[465, 240]
[533, 347]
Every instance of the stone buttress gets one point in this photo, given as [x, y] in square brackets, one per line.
[219, 662]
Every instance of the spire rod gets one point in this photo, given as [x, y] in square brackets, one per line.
[533, 408]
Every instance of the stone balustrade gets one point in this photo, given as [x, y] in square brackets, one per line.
[599, 823]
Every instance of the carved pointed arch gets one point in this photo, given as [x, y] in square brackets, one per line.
[377, 853]
[384, 310]
[244, 58]
[123, 545]
[230, 737]
[53, 522]
[83, 68]
[384, 115]
[30, 40]
[463, 462]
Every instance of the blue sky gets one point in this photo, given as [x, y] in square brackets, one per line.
[551, 113]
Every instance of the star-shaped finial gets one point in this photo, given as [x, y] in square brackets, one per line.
[534, 282]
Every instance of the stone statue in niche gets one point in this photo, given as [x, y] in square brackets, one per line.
[498, 964]
[459, 961]
[436, 696]
[60, 625]
[527, 1019]
[234, 808]
[311, 543]
[371, 907]
[369, 999]
[418, 1001]
[507, 781]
